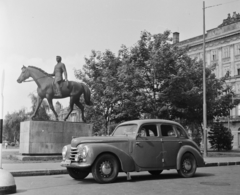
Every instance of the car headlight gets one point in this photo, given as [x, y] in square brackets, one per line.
[83, 151]
[64, 152]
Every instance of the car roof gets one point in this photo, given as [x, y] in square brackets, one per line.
[143, 121]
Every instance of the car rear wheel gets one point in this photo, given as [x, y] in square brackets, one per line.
[105, 168]
[78, 174]
[188, 166]
[155, 173]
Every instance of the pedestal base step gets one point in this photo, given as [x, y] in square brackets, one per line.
[37, 158]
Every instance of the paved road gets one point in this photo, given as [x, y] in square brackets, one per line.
[208, 181]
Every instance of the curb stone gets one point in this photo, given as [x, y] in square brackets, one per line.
[64, 171]
[38, 172]
[221, 164]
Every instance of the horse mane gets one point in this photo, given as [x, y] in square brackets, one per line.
[40, 70]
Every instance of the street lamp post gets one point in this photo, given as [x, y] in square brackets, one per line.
[7, 182]
[204, 87]
[204, 83]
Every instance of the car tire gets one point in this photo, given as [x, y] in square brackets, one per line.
[78, 174]
[105, 169]
[188, 165]
[155, 173]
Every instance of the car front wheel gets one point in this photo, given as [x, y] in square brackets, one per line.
[105, 168]
[188, 165]
[78, 174]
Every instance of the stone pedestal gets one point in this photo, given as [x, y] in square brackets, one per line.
[49, 137]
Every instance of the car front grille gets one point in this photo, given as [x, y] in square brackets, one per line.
[73, 153]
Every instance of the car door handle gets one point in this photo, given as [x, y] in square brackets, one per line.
[138, 143]
[180, 142]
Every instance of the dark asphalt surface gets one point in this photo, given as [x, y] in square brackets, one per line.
[207, 181]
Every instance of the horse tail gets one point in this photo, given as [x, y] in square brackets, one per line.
[87, 95]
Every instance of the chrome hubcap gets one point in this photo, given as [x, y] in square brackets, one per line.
[187, 165]
[106, 169]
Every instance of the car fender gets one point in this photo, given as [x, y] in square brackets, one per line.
[194, 151]
[126, 161]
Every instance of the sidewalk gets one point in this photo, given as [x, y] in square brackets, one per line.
[34, 169]
[54, 168]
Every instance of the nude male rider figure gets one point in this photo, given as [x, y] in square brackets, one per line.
[58, 70]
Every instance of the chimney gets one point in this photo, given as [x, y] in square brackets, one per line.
[175, 37]
[234, 15]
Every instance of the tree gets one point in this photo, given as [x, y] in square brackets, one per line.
[11, 127]
[100, 73]
[155, 77]
[42, 114]
[220, 137]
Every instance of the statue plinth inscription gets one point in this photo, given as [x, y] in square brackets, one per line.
[49, 137]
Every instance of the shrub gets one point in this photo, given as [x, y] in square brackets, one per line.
[220, 137]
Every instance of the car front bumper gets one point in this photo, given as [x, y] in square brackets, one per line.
[68, 163]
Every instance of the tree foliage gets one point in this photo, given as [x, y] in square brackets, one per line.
[220, 137]
[11, 127]
[42, 114]
[155, 77]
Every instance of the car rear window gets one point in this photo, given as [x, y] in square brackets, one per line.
[181, 132]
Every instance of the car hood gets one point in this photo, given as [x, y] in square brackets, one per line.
[103, 139]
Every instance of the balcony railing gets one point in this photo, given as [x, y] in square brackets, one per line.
[231, 118]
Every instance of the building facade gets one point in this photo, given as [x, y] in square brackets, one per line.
[75, 116]
[223, 54]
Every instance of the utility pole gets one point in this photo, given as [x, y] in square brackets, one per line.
[7, 182]
[204, 84]
[1, 118]
[204, 88]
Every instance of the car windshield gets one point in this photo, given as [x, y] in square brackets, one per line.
[125, 130]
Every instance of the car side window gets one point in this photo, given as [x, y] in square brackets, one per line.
[181, 132]
[148, 131]
[167, 131]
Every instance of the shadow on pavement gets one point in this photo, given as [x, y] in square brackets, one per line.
[21, 191]
[138, 178]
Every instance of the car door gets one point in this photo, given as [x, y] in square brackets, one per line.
[170, 145]
[147, 147]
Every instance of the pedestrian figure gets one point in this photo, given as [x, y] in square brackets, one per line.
[6, 145]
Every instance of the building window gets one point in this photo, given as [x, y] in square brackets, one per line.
[238, 109]
[225, 70]
[73, 117]
[214, 55]
[238, 88]
[225, 52]
[238, 70]
[237, 49]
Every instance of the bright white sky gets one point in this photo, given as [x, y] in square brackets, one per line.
[33, 32]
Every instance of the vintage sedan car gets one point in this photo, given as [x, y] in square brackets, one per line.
[151, 145]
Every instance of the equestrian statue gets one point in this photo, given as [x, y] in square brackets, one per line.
[56, 88]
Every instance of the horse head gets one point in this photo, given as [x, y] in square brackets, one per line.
[25, 74]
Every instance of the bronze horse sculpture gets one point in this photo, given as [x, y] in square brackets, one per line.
[45, 89]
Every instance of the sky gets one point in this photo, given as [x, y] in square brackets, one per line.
[34, 32]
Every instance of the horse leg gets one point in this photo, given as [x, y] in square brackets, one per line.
[70, 108]
[81, 107]
[39, 101]
[52, 107]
